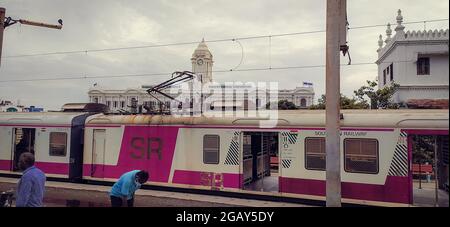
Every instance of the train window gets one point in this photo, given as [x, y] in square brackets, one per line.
[361, 156]
[211, 148]
[315, 154]
[58, 144]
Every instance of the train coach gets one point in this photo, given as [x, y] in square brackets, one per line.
[56, 139]
[235, 154]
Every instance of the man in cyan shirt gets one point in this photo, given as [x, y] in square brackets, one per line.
[124, 189]
[31, 187]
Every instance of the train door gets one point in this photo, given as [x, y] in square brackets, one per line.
[24, 141]
[98, 153]
[429, 170]
[260, 150]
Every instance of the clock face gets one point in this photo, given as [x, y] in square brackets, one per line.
[199, 62]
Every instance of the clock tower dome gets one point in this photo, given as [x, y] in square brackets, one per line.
[202, 63]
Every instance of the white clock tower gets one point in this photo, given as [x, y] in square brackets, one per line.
[202, 63]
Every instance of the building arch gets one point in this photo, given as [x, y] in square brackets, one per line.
[302, 102]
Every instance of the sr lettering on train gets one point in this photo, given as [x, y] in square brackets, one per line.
[142, 148]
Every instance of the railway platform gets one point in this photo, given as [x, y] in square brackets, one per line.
[63, 194]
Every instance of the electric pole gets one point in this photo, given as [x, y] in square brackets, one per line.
[2, 27]
[336, 41]
[8, 21]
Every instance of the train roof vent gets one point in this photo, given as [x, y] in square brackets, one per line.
[85, 107]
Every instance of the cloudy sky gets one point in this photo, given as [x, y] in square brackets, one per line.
[99, 24]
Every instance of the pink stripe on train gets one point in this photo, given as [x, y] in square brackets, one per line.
[394, 190]
[425, 132]
[143, 148]
[111, 171]
[36, 126]
[46, 167]
[240, 127]
[53, 168]
[5, 164]
[230, 180]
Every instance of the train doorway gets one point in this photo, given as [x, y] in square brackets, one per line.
[430, 173]
[98, 153]
[260, 162]
[24, 141]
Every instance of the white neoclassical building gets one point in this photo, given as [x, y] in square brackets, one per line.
[416, 60]
[234, 96]
[302, 97]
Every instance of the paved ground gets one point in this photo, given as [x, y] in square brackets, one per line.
[60, 194]
[426, 196]
[266, 184]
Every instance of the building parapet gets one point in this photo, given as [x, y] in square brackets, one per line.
[431, 36]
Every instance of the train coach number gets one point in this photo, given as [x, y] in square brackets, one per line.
[143, 147]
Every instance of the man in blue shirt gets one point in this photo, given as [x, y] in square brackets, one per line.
[125, 188]
[31, 187]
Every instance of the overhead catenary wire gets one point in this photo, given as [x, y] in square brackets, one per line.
[242, 55]
[384, 25]
[85, 77]
[196, 42]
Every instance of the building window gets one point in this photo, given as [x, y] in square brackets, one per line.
[108, 103]
[361, 156]
[122, 104]
[96, 100]
[315, 154]
[133, 102]
[211, 149]
[115, 104]
[391, 71]
[423, 66]
[58, 144]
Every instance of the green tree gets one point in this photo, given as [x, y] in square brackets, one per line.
[320, 105]
[380, 98]
[423, 149]
[282, 105]
[346, 103]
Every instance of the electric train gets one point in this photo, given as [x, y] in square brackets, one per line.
[230, 154]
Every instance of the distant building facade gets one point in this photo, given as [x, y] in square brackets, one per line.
[9, 106]
[33, 109]
[302, 97]
[234, 97]
[416, 60]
